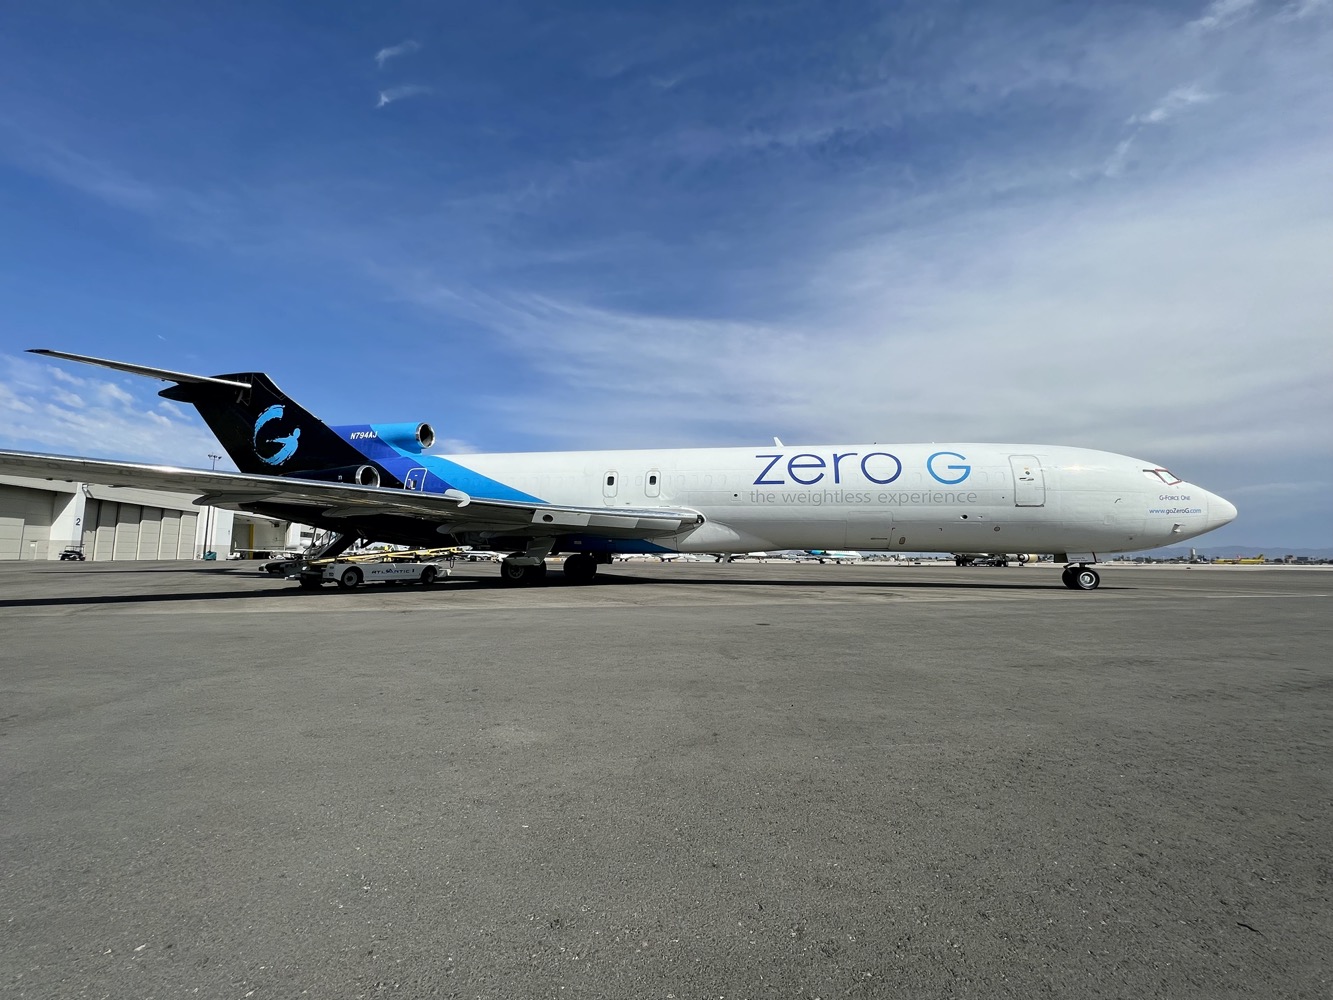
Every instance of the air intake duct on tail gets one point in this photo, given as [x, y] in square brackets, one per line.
[411, 438]
[361, 475]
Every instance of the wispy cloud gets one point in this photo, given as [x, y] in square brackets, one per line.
[1222, 13]
[1173, 104]
[1119, 158]
[43, 407]
[387, 97]
[394, 51]
[454, 446]
[1302, 9]
[1148, 325]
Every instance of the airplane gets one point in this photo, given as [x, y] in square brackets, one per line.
[377, 482]
[833, 555]
[1258, 560]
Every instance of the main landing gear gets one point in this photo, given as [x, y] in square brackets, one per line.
[517, 574]
[1081, 578]
[523, 569]
[580, 568]
[528, 569]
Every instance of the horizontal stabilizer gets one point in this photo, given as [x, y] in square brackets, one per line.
[162, 373]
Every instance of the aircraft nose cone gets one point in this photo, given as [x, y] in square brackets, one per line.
[1220, 511]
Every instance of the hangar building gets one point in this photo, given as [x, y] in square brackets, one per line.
[40, 518]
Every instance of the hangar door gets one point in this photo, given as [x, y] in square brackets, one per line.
[25, 522]
[114, 530]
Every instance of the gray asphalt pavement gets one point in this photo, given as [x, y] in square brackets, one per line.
[685, 781]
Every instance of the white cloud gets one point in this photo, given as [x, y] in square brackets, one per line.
[11, 403]
[1185, 324]
[1172, 105]
[1115, 163]
[454, 446]
[111, 394]
[394, 51]
[101, 419]
[401, 93]
[1221, 13]
[1302, 9]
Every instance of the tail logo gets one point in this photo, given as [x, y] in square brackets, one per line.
[265, 440]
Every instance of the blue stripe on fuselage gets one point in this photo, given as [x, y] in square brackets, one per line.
[596, 543]
[441, 473]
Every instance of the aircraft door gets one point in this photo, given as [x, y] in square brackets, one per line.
[415, 480]
[652, 483]
[609, 481]
[1029, 481]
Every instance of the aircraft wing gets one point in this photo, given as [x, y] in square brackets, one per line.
[453, 510]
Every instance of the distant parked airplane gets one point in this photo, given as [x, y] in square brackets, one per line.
[834, 555]
[376, 482]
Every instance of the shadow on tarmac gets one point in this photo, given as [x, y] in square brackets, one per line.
[285, 589]
[52, 602]
[602, 580]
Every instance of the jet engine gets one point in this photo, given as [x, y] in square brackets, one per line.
[415, 438]
[411, 438]
[360, 475]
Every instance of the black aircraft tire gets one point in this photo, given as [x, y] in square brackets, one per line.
[580, 568]
[512, 575]
[1086, 578]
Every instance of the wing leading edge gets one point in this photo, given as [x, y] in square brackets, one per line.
[447, 512]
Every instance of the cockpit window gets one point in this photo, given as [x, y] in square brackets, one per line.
[1161, 476]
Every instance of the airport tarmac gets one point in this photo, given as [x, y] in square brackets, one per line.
[687, 780]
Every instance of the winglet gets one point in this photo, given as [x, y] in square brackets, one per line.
[162, 373]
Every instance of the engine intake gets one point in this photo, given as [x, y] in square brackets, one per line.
[411, 438]
[361, 475]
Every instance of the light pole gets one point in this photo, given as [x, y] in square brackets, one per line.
[208, 515]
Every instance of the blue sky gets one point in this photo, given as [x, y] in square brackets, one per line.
[611, 225]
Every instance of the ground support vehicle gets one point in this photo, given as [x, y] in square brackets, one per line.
[352, 574]
[423, 566]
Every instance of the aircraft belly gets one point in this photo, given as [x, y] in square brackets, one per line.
[718, 536]
[875, 530]
[785, 526]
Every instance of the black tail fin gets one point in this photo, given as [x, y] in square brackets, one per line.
[259, 425]
[262, 428]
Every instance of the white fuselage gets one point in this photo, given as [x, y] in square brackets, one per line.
[915, 497]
